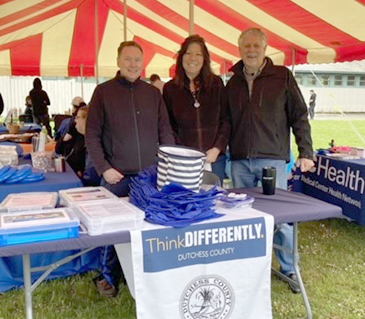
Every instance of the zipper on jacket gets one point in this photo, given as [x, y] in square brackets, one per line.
[137, 133]
[199, 129]
[250, 115]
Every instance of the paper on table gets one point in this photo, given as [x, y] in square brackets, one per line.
[30, 200]
[86, 195]
[23, 219]
[108, 209]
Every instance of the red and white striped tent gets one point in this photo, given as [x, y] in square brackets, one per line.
[58, 37]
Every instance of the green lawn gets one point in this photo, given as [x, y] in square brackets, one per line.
[343, 132]
[332, 264]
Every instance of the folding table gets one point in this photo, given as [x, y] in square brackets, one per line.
[10, 268]
[291, 207]
[285, 206]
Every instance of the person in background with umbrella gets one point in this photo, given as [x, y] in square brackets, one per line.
[196, 104]
[40, 102]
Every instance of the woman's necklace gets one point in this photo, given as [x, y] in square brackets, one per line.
[196, 101]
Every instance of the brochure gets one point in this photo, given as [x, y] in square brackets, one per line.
[34, 218]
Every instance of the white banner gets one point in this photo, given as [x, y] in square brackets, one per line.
[218, 269]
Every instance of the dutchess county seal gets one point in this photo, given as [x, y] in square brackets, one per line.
[207, 297]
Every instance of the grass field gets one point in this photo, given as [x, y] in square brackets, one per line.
[332, 263]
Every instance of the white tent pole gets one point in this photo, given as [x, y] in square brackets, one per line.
[191, 17]
[225, 72]
[125, 20]
[97, 41]
[82, 80]
[294, 60]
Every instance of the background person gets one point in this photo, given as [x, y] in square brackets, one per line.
[27, 116]
[155, 80]
[69, 122]
[126, 122]
[196, 105]
[40, 102]
[74, 149]
[28, 106]
[265, 102]
[312, 103]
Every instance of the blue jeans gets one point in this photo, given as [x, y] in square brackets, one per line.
[111, 270]
[219, 166]
[120, 189]
[248, 173]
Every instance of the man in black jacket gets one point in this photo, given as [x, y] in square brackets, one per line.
[126, 122]
[312, 103]
[265, 103]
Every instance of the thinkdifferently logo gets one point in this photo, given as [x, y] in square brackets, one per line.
[171, 248]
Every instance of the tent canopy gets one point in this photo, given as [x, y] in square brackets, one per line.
[57, 37]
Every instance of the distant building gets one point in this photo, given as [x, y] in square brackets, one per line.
[339, 86]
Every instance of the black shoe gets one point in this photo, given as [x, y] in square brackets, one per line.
[294, 287]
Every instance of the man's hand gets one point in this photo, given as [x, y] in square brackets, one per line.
[305, 164]
[112, 176]
[212, 154]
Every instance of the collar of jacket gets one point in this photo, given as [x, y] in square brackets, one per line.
[122, 80]
[199, 82]
[238, 67]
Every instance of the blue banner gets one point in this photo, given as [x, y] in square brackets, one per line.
[339, 182]
[203, 244]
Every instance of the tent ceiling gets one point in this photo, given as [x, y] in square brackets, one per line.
[57, 37]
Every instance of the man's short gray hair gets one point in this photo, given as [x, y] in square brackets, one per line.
[253, 31]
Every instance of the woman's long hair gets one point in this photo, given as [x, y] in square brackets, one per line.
[37, 84]
[204, 79]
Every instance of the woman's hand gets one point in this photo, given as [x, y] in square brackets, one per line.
[213, 154]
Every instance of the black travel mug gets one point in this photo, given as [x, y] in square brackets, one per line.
[268, 180]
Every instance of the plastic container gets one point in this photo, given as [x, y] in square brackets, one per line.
[74, 196]
[8, 155]
[42, 139]
[360, 151]
[9, 159]
[109, 216]
[43, 161]
[38, 226]
[29, 201]
[233, 200]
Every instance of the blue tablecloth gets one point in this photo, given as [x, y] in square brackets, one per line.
[11, 268]
[52, 183]
[336, 181]
[28, 127]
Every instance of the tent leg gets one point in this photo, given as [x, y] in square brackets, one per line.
[295, 253]
[27, 287]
